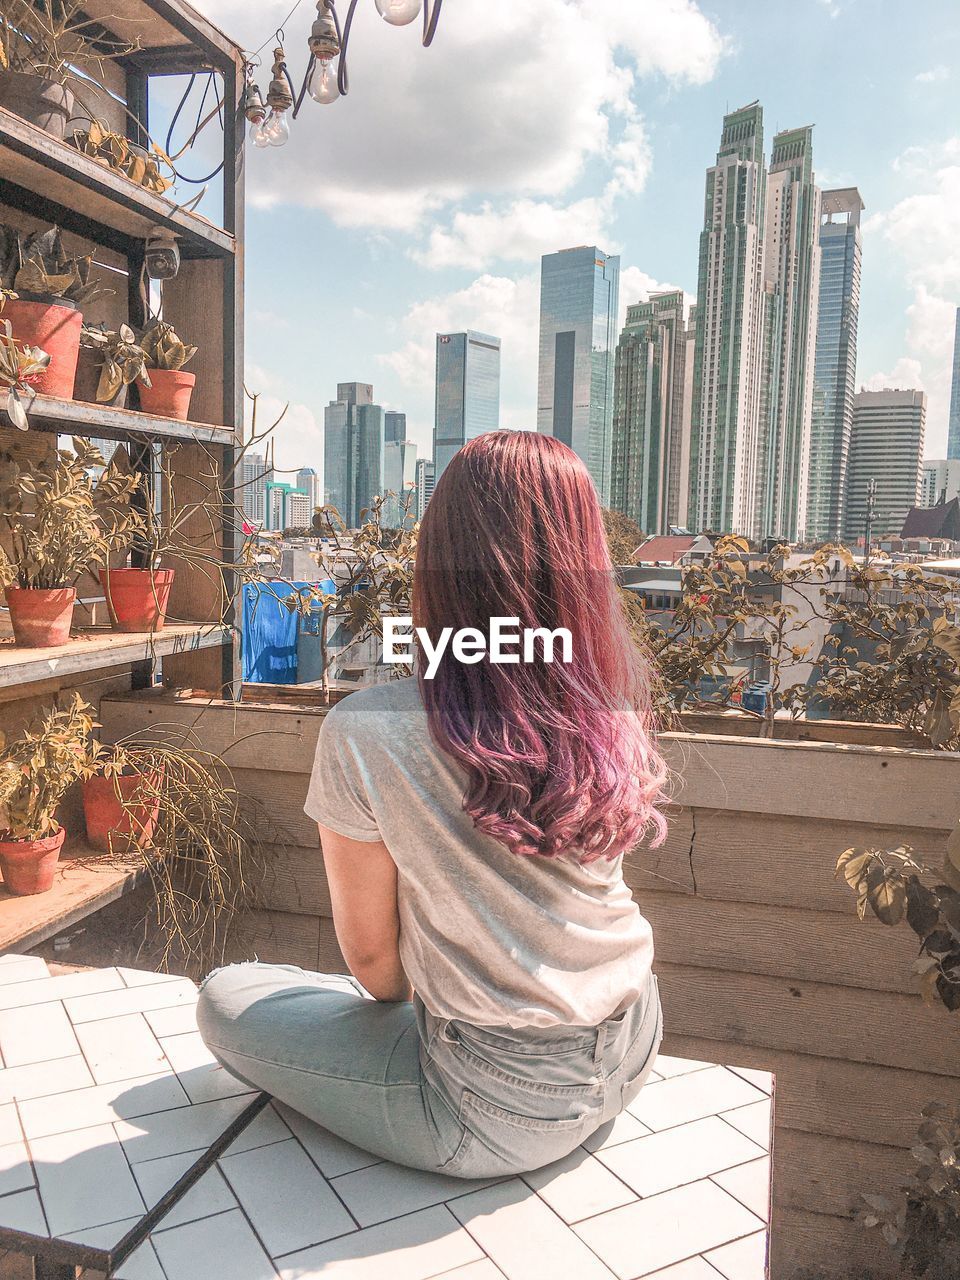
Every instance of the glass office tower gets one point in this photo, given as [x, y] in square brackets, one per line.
[352, 450]
[953, 433]
[394, 426]
[467, 394]
[579, 300]
[835, 364]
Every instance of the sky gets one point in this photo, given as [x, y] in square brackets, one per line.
[423, 201]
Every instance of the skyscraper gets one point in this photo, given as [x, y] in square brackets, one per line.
[426, 477]
[400, 482]
[649, 416]
[579, 301]
[725, 417]
[467, 393]
[791, 258]
[352, 450]
[886, 446]
[254, 477]
[835, 364]
[953, 432]
[394, 425]
[309, 482]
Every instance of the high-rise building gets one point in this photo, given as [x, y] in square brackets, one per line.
[940, 481]
[426, 478]
[835, 365]
[352, 450]
[254, 477]
[579, 302]
[298, 509]
[394, 426]
[886, 448]
[399, 483]
[467, 393]
[650, 419]
[791, 270]
[725, 416]
[309, 482]
[953, 431]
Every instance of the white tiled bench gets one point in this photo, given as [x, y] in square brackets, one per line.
[109, 1104]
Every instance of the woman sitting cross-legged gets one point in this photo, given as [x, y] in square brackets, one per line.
[501, 1005]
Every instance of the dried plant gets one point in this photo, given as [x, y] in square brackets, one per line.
[123, 360]
[117, 152]
[64, 515]
[205, 856]
[55, 40]
[20, 367]
[37, 769]
[37, 264]
[164, 349]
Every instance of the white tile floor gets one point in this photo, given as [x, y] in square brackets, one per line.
[675, 1189]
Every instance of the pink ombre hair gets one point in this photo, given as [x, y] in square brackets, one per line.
[559, 757]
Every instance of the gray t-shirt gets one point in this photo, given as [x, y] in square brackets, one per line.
[487, 936]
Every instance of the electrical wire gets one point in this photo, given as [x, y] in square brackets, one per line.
[280, 28]
[198, 127]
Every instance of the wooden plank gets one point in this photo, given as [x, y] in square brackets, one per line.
[248, 737]
[91, 650]
[36, 161]
[736, 724]
[85, 882]
[804, 1243]
[767, 858]
[295, 881]
[193, 304]
[283, 795]
[880, 785]
[330, 957]
[829, 1175]
[828, 1096]
[78, 418]
[275, 938]
[814, 946]
[880, 1027]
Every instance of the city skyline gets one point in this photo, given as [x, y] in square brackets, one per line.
[425, 236]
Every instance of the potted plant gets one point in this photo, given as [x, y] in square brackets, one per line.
[20, 368]
[121, 801]
[46, 62]
[110, 360]
[35, 772]
[61, 517]
[51, 290]
[168, 392]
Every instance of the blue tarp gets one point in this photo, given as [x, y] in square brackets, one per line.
[270, 631]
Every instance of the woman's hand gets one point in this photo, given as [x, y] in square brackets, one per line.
[363, 890]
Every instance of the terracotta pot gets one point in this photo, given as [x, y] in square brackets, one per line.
[28, 865]
[106, 815]
[85, 384]
[137, 598]
[169, 395]
[55, 327]
[44, 103]
[41, 619]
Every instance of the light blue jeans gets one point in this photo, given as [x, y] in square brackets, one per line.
[419, 1090]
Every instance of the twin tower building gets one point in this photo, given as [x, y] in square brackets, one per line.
[735, 417]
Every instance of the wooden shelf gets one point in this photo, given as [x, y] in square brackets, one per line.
[37, 162]
[86, 881]
[92, 650]
[79, 418]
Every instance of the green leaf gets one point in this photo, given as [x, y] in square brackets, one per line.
[886, 894]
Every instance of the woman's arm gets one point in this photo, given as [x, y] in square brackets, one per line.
[363, 889]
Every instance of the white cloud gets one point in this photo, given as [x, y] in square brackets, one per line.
[933, 76]
[297, 440]
[637, 286]
[923, 230]
[907, 373]
[511, 102]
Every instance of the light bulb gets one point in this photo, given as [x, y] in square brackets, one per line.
[399, 12]
[278, 129]
[322, 85]
[256, 134]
